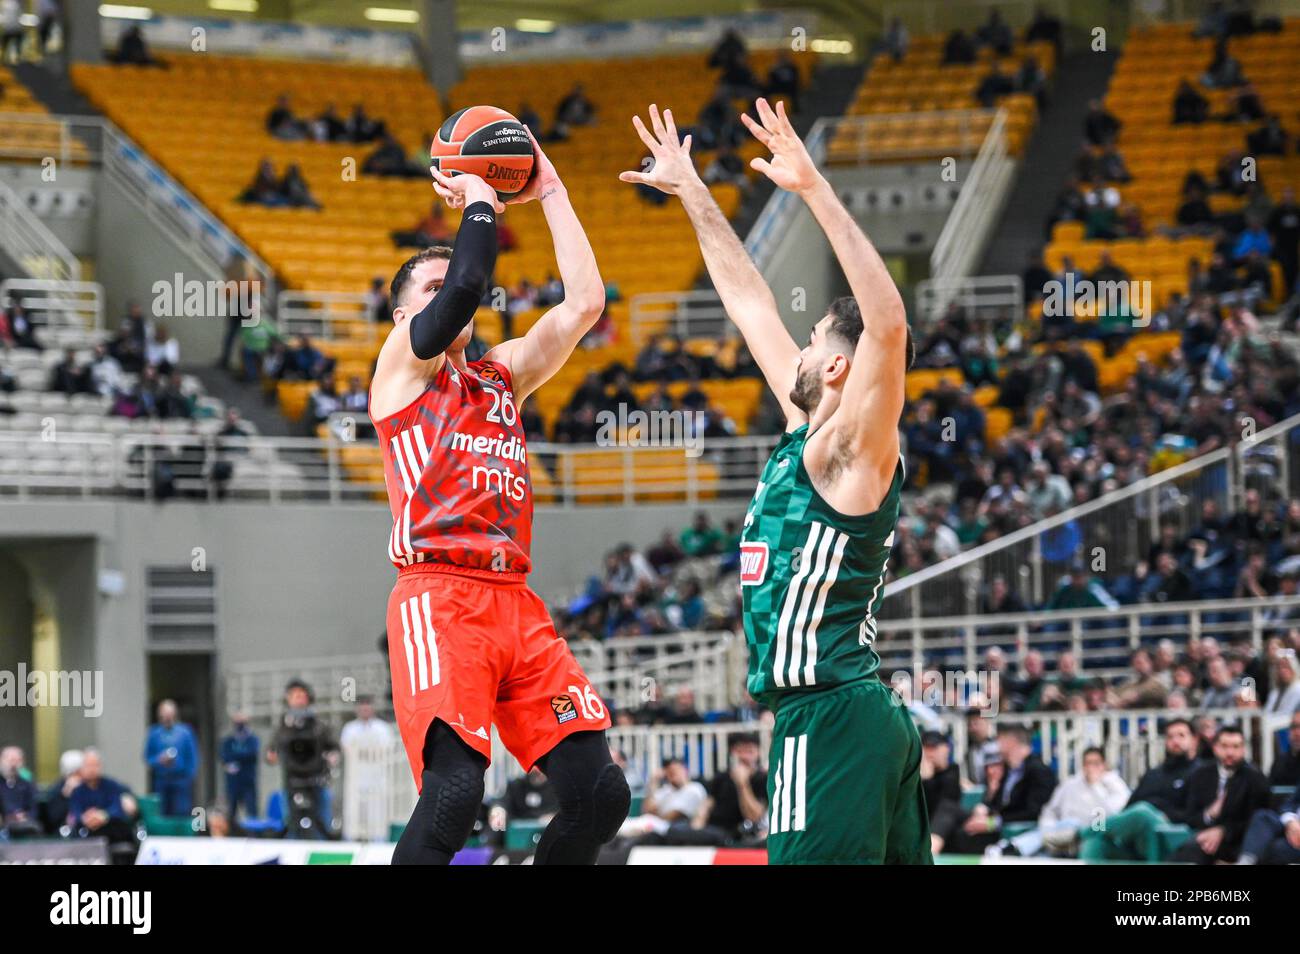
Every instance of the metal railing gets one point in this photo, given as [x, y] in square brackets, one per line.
[326, 315]
[314, 470]
[976, 294]
[689, 314]
[39, 136]
[974, 215]
[30, 244]
[1101, 639]
[57, 304]
[1111, 533]
[1131, 739]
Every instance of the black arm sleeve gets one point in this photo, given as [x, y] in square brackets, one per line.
[472, 264]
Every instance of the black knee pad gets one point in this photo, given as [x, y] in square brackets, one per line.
[454, 801]
[611, 799]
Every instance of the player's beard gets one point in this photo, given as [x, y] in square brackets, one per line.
[807, 391]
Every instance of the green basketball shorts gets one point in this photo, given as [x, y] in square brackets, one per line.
[844, 783]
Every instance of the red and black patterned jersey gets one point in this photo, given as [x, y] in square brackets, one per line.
[456, 469]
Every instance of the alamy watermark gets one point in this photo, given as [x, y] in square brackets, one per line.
[181, 298]
[1072, 296]
[40, 688]
[633, 427]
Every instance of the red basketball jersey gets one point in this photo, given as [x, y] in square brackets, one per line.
[456, 469]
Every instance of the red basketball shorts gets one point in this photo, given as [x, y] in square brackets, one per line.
[475, 648]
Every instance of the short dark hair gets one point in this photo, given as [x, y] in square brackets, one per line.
[1173, 722]
[1233, 729]
[1090, 750]
[846, 324]
[403, 276]
[1016, 730]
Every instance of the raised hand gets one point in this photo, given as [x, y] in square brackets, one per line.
[790, 167]
[673, 168]
[464, 189]
[544, 179]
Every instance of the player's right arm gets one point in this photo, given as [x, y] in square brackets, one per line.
[745, 296]
[416, 348]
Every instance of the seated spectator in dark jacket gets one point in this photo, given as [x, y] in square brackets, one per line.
[1044, 27]
[994, 86]
[361, 128]
[66, 376]
[1268, 140]
[1195, 210]
[1246, 106]
[1031, 79]
[1224, 70]
[1189, 105]
[294, 189]
[783, 80]
[132, 49]
[1160, 798]
[100, 807]
[1273, 837]
[958, 48]
[1286, 765]
[18, 809]
[265, 188]
[737, 803]
[996, 33]
[1222, 798]
[282, 123]
[941, 781]
[1019, 795]
[388, 159]
[530, 798]
[1100, 127]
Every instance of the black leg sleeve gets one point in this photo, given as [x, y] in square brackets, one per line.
[593, 797]
[450, 795]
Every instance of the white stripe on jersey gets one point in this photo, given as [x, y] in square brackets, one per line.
[791, 598]
[801, 780]
[801, 619]
[810, 666]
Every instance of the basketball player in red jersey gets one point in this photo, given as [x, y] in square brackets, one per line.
[469, 643]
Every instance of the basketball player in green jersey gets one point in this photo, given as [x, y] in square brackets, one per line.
[844, 771]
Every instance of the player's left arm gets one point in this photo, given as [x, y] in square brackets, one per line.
[866, 423]
[544, 348]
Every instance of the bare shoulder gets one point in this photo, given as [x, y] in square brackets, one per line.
[399, 375]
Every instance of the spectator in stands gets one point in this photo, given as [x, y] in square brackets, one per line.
[1273, 837]
[389, 159]
[99, 806]
[1224, 70]
[265, 188]
[727, 167]
[718, 124]
[18, 797]
[171, 752]
[529, 118]
[530, 797]
[702, 537]
[1032, 80]
[21, 330]
[330, 126]
[1019, 795]
[1284, 693]
[1080, 590]
[1160, 798]
[783, 80]
[941, 782]
[1100, 126]
[294, 189]
[994, 86]
[1222, 799]
[959, 48]
[1086, 800]
[1045, 26]
[325, 400]
[239, 758]
[1189, 105]
[1213, 22]
[53, 805]
[574, 109]
[430, 230]
[11, 31]
[674, 799]
[282, 123]
[729, 48]
[1142, 690]
[735, 811]
[356, 398]
[894, 41]
[996, 33]
[132, 50]
[67, 377]
[1284, 226]
[981, 747]
[163, 351]
[361, 128]
[681, 711]
[1286, 765]
[306, 749]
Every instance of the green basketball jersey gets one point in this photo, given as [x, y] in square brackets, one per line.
[811, 579]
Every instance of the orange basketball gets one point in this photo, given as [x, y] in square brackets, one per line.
[487, 142]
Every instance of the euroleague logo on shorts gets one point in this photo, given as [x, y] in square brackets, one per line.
[563, 708]
[753, 563]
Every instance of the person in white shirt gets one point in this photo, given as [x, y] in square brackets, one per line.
[674, 798]
[11, 31]
[1284, 697]
[366, 742]
[163, 351]
[1084, 800]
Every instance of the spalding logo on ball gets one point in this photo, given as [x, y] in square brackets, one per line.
[487, 142]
